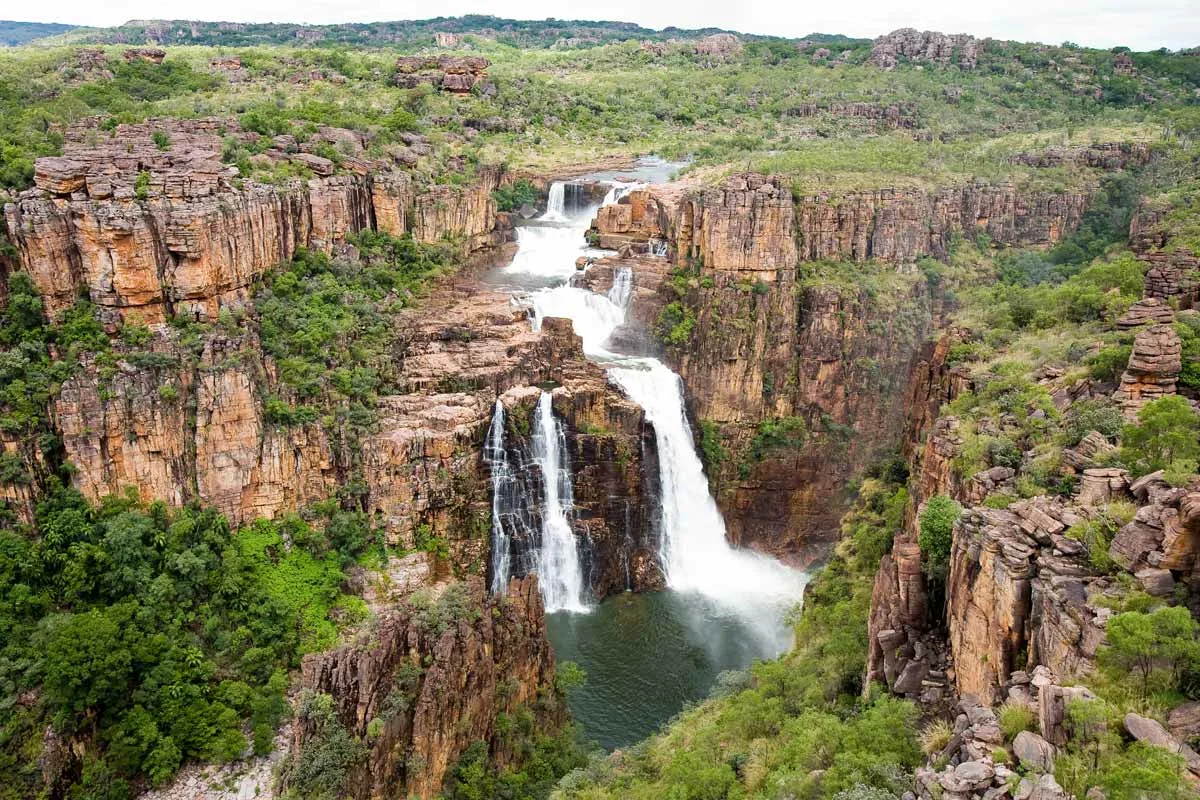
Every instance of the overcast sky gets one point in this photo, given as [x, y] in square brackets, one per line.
[1140, 24]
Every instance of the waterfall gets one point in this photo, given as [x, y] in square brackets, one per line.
[622, 287]
[512, 518]
[496, 458]
[593, 316]
[559, 573]
[556, 203]
[695, 554]
[618, 191]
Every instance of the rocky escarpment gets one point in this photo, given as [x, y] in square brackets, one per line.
[767, 343]
[434, 677]
[151, 229]
[185, 416]
[453, 74]
[894, 226]
[929, 47]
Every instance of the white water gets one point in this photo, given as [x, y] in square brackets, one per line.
[618, 191]
[593, 316]
[495, 456]
[556, 203]
[695, 553]
[559, 573]
[621, 289]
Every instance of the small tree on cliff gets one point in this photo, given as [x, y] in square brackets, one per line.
[937, 525]
[1160, 647]
[1167, 434]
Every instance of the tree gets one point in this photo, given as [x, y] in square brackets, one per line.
[1167, 432]
[937, 527]
[1151, 644]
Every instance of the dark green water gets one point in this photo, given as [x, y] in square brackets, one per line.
[647, 654]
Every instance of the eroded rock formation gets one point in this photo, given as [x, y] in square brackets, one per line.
[453, 74]
[432, 679]
[925, 47]
[156, 228]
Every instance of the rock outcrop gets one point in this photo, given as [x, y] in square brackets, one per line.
[901, 226]
[453, 74]
[929, 47]
[433, 678]
[152, 232]
[1018, 586]
[1154, 367]
[895, 226]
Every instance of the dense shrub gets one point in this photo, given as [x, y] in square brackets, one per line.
[937, 526]
[159, 634]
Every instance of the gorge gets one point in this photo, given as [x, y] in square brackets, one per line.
[475, 408]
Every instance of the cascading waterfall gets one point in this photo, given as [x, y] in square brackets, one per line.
[696, 556]
[556, 203]
[497, 460]
[618, 191]
[622, 288]
[512, 521]
[559, 572]
[593, 316]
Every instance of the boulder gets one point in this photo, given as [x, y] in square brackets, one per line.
[1034, 752]
[1151, 732]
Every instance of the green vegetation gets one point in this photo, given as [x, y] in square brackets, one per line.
[1166, 436]
[515, 195]
[937, 527]
[330, 325]
[675, 324]
[712, 451]
[1159, 648]
[160, 635]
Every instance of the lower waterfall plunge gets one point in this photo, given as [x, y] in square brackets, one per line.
[559, 572]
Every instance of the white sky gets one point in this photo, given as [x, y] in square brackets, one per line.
[1140, 24]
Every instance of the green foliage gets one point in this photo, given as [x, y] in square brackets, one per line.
[1015, 717]
[937, 527]
[676, 323]
[712, 451]
[772, 435]
[514, 195]
[1084, 416]
[161, 140]
[543, 759]
[159, 633]
[319, 771]
[1097, 532]
[1166, 434]
[141, 186]
[569, 675]
[1158, 647]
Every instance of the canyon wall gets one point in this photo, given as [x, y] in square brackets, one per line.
[436, 676]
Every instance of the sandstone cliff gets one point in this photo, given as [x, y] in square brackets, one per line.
[434, 677]
[156, 232]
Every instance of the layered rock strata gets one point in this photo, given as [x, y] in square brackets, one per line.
[152, 232]
[431, 680]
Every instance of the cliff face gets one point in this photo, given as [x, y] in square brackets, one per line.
[898, 226]
[152, 233]
[764, 346]
[434, 678]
